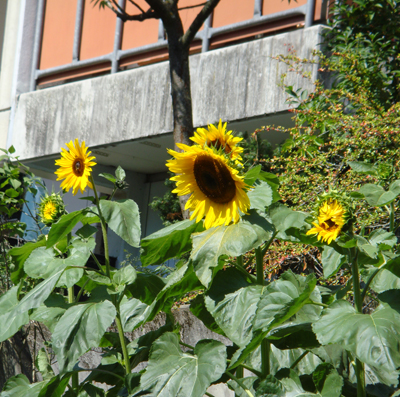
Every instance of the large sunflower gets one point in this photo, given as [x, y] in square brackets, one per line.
[332, 216]
[75, 167]
[217, 191]
[219, 138]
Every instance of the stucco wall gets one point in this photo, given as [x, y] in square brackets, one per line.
[232, 83]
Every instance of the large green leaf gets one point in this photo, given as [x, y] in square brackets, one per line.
[20, 255]
[331, 261]
[79, 329]
[133, 313]
[43, 262]
[10, 323]
[123, 219]
[170, 242]
[50, 311]
[232, 240]
[64, 226]
[282, 299]
[387, 278]
[232, 302]
[55, 387]
[146, 287]
[171, 372]
[283, 218]
[376, 196]
[261, 196]
[373, 338]
[19, 386]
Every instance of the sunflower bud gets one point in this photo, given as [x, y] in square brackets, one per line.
[333, 214]
[51, 208]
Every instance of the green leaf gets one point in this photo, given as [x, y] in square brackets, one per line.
[19, 386]
[109, 177]
[284, 218]
[123, 219]
[364, 246]
[376, 196]
[43, 262]
[50, 311]
[232, 240]
[120, 173]
[395, 187]
[133, 313]
[139, 348]
[248, 382]
[382, 239]
[89, 390]
[327, 381]
[86, 231]
[79, 329]
[363, 168]
[170, 372]
[261, 196]
[42, 363]
[146, 287]
[10, 322]
[125, 275]
[270, 387]
[388, 278]
[56, 387]
[170, 242]
[232, 302]
[373, 338]
[282, 299]
[11, 149]
[331, 261]
[20, 255]
[64, 226]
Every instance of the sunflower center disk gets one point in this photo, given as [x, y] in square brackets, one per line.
[78, 167]
[214, 179]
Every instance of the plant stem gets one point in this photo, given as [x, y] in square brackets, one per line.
[240, 383]
[239, 260]
[311, 302]
[391, 215]
[360, 373]
[75, 376]
[186, 345]
[239, 375]
[298, 359]
[368, 283]
[107, 261]
[265, 345]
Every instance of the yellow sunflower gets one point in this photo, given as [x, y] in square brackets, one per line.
[217, 191]
[51, 208]
[75, 167]
[219, 138]
[332, 216]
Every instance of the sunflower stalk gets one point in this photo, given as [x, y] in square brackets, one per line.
[360, 371]
[115, 302]
[265, 345]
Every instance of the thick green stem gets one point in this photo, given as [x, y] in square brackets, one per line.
[75, 376]
[239, 260]
[239, 375]
[391, 216]
[107, 262]
[298, 359]
[265, 345]
[360, 373]
[240, 383]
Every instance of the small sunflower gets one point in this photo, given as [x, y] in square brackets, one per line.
[217, 190]
[332, 216]
[51, 208]
[75, 167]
[220, 139]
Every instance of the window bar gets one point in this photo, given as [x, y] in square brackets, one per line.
[117, 40]
[257, 8]
[205, 42]
[160, 30]
[78, 30]
[310, 13]
[36, 44]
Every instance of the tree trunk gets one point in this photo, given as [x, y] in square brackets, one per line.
[180, 90]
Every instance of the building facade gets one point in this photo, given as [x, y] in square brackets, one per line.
[70, 70]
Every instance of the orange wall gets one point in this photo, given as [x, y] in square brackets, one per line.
[58, 33]
[98, 31]
[99, 25]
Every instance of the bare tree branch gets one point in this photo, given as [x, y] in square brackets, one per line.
[198, 21]
[118, 6]
[195, 6]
